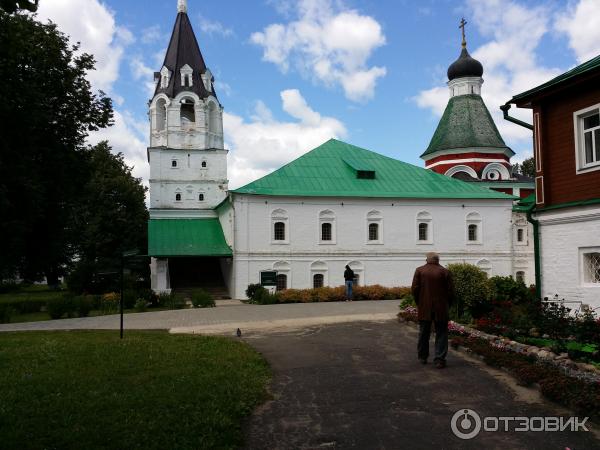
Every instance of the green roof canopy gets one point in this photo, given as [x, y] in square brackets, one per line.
[466, 123]
[581, 69]
[325, 172]
[186, 237]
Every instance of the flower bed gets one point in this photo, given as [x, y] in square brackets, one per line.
[259, 295]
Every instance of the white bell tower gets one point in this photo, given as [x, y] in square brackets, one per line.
[188, 164]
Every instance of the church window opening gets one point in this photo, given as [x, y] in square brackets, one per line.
[281, 282]
[318, 280]
[200, 197]
[213, 117]
[203, 164]
[520, 234]
[161, 114]
[520, 276]
[423, 231]
[188, 115]
[472, 232]
[373, 231]
[178, 197]
[174, 163]
[279, 231]
[326, 231]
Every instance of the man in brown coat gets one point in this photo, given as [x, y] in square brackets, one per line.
[433, 292]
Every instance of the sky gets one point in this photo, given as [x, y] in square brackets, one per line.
[292, 74]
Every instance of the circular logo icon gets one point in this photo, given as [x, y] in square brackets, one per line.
[465, 424]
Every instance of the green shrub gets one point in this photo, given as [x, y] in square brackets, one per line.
[6, 312]
[83, 305]
[471, 290]
[251, 290]
[130, 296]
[25, 305]
[408, 300]
[507, 288]
[140, 305]
[202, 299]
[56, 307]
[176, 301]
[161, 300]
[262, 297]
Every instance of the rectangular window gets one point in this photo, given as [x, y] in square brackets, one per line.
[520, 234]
[591, 268]
[587, 138]
[422, 231]
[373, 232]
[472, 232]
[326, 232]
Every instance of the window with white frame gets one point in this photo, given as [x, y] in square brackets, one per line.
[474, 229]
[424, 228]
[281, 282]
[174, 163]
[165, 75]
[279, 227]
[521, 235]
[326, 227]
[587, 138]
[186, 75]
[374, 228]
[201, 196]
[318, 280]
[591, 267]
[178, 195]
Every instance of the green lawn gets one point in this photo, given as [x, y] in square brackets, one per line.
[150, 390]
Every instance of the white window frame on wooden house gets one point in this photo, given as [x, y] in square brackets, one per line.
[582, 144]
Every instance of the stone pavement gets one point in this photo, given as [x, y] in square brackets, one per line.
[359, 386]
[227, 317]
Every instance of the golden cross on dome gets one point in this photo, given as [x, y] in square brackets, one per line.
[463, 22]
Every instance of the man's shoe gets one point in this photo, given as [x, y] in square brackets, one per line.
[423, 361]
[440, 364]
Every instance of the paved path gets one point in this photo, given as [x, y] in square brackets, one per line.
[226, 319]
[358, 385]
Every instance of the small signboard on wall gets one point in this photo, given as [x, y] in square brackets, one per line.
[268, 278]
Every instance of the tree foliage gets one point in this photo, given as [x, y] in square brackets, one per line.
[471, 288]
[47, 108]
[11, 6]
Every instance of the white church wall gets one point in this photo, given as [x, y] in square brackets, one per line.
[390, 262]
[565, 237]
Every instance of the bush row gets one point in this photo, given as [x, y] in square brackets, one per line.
[258, 294]
[574, 393]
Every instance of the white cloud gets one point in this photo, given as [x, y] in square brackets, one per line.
[581, 23]
[211, 27]
[263, 144]
[330, 44]
[223, 87]
[151, 34]
[510, 61]
[93, 24]
[128, 136]
[141, 71]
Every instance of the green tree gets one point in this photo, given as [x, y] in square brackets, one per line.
[111, 218]
[471, 289]
[10, 6]
[47, 109]
[527, 167]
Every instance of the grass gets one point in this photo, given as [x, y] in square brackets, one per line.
[150, 390]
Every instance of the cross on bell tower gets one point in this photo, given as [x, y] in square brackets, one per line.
[463, 22]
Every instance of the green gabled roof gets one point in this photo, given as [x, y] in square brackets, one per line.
[581, 69]
[466, 123]
[186, 237]
[325, 172]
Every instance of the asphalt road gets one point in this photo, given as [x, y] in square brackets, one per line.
[359, 385]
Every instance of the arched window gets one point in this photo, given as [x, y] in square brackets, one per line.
[188, 114]
[326, 231]
[281, 281]
[520, 276]
[423, 231]
[203, 164]
[178, 197]
[473, 232]
[161, 114]
[173, 163]
[318, 279]
[373, 232]
[279, 231]
[200, 197]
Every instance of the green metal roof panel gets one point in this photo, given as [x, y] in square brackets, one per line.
[186, 237]
[466, 123]
[587, 66]
[324, 172]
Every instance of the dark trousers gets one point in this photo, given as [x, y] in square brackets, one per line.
[441, 340]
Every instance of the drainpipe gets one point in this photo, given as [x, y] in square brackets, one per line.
[534, 222]
[505, 109]
[536, 251]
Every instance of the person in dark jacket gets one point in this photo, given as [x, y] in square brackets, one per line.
[349, 281]
[433, 292]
